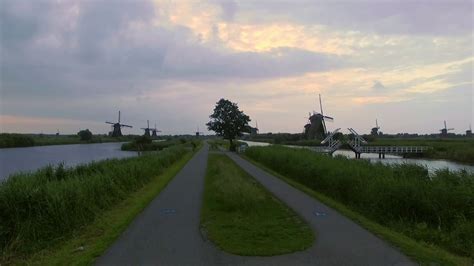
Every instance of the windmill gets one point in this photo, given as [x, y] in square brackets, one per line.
[444, 131]
[469, 132]
[316, 128]
[154, 131]
[253, 130]
[198, 133]
[375, 130]
[117, 132]
[147, 129]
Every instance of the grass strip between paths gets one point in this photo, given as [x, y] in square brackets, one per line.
[91, 241]
[241, 217]
[421, 252]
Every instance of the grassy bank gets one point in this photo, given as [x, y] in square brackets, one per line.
[27, 140]
[45, 208]
[459, 150]
[241, 217]
[147, 144]
[437, 210]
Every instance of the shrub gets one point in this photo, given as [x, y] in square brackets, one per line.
[85, 135]
[15, 140]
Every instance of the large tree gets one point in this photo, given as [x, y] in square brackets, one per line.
[228, 121]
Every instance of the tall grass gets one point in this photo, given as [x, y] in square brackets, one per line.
[41, 207]
[15, 140]
[437, 209]
[8, 140]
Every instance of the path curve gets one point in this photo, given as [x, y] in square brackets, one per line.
[167, 232]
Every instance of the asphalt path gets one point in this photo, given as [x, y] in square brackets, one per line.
[167, 232]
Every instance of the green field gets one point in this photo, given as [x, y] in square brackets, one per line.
[41, 209]
[242, 217]
[8, 140]
[437, 210]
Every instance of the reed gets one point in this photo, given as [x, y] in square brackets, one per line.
[39, 208]
[437, 209]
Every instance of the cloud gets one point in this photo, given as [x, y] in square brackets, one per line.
[170, 61]
[385, 17]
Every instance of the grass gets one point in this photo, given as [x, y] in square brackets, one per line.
[429, 218]
[146, 144]
[99, 235]
[455, 149]
[8, 140]
[41, 209]
[241, 217]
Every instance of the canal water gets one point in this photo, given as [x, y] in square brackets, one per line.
[14, 160]
[431, 165]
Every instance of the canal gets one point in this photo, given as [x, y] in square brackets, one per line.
[431, 165]
[13, 160]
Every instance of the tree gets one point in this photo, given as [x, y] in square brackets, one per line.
[228, 121]
[85, 135]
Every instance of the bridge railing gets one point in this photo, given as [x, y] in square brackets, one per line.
[392, 149]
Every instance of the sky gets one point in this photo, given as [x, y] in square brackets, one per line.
[71, 64]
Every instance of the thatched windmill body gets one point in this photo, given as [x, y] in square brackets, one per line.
[316, 126]
[444, 131]
[154, 132]
[147, 129]
[117, 127]
[375, 130]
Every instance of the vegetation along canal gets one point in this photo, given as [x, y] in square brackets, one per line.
[13, 160]
[431, 165]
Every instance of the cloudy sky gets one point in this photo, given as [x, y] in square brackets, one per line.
[71, 64]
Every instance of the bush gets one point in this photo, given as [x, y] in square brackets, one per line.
[85, 135]
[15, 140]
[437, 209]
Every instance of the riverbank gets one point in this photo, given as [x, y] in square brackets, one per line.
[459, 150]
[8, 140]
[241, 217]
[42, 211]
[436, 210]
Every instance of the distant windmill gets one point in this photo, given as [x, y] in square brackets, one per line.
[316, 128]
[375, 130]
[254, 130]
[198, 133]
[154, 131]
[444, 131]
[469, 132]
[117, 132]
[147, 129]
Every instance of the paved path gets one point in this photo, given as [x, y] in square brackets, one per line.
[167, 231]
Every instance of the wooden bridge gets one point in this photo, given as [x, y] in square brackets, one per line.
[382, 150]
[358, 145]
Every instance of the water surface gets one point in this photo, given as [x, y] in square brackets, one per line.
[13, 160]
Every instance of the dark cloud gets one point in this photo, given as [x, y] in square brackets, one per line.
[229, 8]
[378, 86]
[101, 55]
